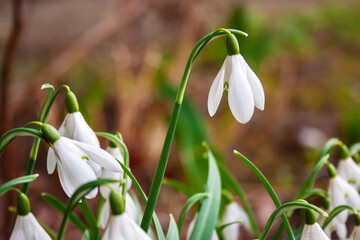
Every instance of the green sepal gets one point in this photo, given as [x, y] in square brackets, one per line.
[71, 102]
[331, 170]
[232, 45]
[116, 203]
[22, 204]
[50, 133]
[310, 217]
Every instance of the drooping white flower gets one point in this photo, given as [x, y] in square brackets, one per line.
[191, 227]
[71, 158]
[130, 210]
[355, 235]
[339, 227]
[244, 87]
[28, 228]
[233, 212]
[123, 227]
[349, 171]
[313, 232]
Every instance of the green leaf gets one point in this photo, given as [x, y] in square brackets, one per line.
[335, 212]
[209, 210]
[44, 113]
[286, 207]
[189, 203]
[159, 232]
[76, 197]
[61, 208]
[87, 213]
[309, 182]
[8, 185]
[16, 132]
[269, 189]
[172, 233]
[179, 186]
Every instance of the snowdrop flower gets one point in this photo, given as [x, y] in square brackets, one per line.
[355, 235]
[234, 212]
[75, 127]
[244, 87]
[130, 210]
[121, 226]
[191, 227]
[71, 158]
[312, 230]
[349, 171]
[26, 226]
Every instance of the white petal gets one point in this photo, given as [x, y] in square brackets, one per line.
[105, 214]
[349, 171]
[83, 132]
[38, 232]
[130, 207]
[95, 167]
[122, 227]
[241, 98]
[99, 156]
[72, 169]
[104, 190]
[67, 127]
[217, 89]
[355, 235]
[341, 230]
[18, 233]
[257, 89]
[51, 161]
[313, 232]
[116, 153]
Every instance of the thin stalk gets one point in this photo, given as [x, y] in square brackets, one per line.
[160, 170]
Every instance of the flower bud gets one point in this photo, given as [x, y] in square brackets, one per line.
[50, 133]
[310, 217]
[232, 45]
[71, 102]
[116, 203]
[22, 204]
[331, 170]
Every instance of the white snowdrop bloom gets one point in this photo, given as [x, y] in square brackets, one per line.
[355, 235]
[191, 227]
[234, 212]
[349, 171]
[244, 87]
[106, 173]
[71, 158]
[313, 232]
[123, 227]
[130, 210]
[339, 227]
[342, 193]
[28, 228]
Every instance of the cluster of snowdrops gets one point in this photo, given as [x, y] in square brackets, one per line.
[88, 172]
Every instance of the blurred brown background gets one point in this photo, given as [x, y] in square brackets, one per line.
[124, 61]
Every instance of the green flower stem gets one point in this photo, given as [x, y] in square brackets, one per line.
[270, 190]
[160, 170]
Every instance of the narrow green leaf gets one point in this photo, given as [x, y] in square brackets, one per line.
[172, 233]
[16, 132]
[8, 185]
[47, 104]
[61, 208]
[87, 213]
[209, 210]
[179, 186]
[335, 212]
[189, 203]
[309, 182]
[159, 232]
[76, 197]
[269, 189]
[286, 207]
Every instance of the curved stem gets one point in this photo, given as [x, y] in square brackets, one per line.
[160, 170]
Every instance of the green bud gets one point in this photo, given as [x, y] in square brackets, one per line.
[117, 204]
[50, 133]
[71, 102]
[357, 219]
[310, 217]
[22, 204]
[331, 170]
[232, 45]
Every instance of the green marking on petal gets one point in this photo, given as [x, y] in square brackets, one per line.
[85, 158]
